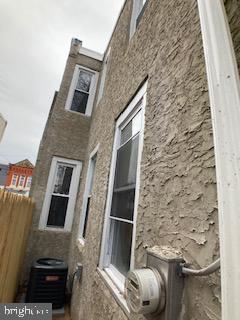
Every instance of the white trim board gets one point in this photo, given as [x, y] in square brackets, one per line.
[91, 53]
[82, 222]
[224, 92]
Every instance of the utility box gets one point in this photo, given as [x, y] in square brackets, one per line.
[156, 291]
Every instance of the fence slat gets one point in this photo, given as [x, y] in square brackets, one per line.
[15, 221]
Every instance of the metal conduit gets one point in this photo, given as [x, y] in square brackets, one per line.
[213, 267]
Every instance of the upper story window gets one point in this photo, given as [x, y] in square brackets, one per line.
[82, 90]
[87, 194]
[14, 180]
[117, 253]
[21, 181]
[137, 11]
[103, 76]
[29, 182]
[61, 192]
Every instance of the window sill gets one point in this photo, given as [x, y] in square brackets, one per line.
[78, 113]
[57, 230]
[117, 294]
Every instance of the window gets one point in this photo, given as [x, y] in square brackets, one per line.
[103, 76]
[137, 11]
[21, 181]
[87, 194]
[82, 90]
[59, 202]
[118, 240]
[29, 182]
[14, 180]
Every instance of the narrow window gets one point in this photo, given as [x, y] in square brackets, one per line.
[82, 90]
[103, 76]
[14, 180]
[137, 12]
[21, 181]
[121, 209]
[87, 194]
[60, 195]
[29, 182]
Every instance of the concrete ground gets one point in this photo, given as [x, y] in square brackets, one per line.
[66, 316]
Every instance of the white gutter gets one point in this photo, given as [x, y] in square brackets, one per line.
[224, 91]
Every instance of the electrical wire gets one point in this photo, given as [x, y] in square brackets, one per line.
[213, 267]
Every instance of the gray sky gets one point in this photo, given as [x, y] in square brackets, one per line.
[35, 38]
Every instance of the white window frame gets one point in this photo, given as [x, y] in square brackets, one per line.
[136, 10]
[72, 194]
[90, 175]
[14, 176]
[23, 177]
[29, 178]
[138, 103]
[92, 90]
[103, 76]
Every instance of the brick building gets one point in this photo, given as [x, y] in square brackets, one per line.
[127, 158]
[19, 177]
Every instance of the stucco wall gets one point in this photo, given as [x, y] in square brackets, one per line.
[233, 14]
[177, 203]
[65, 135]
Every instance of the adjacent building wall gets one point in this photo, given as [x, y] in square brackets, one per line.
[65, 135]
[178, 201]
[233, 13]
[3, 174]
[3, 124]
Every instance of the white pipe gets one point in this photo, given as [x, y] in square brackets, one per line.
[224, 92]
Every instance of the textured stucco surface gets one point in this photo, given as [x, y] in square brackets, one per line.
[178, 197]
[178, 200]
[233, 14]
[65, 135]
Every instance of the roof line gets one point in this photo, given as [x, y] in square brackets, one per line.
[115, 25]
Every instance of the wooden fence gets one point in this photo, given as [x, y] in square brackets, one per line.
[15, 221]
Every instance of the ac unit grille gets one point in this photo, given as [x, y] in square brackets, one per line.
[47, 282]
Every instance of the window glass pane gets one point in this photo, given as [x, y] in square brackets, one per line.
[84, 81]
[121, 248]
[123, 204]
[14, 179]
[63, 179]
[57, 211]
[92, 170]
[132, 128]
[79, 102]
[136, 123]
[126, 133]
[86, 217]
[126, 166]
[29, 182]
[21, 181]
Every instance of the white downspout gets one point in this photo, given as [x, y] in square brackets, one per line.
[224, 91]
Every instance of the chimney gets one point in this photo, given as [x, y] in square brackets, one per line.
[75, 46]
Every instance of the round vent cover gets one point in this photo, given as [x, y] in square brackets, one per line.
[144, 291]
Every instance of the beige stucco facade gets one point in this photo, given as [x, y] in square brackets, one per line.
[177, 195]
[65, 135]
